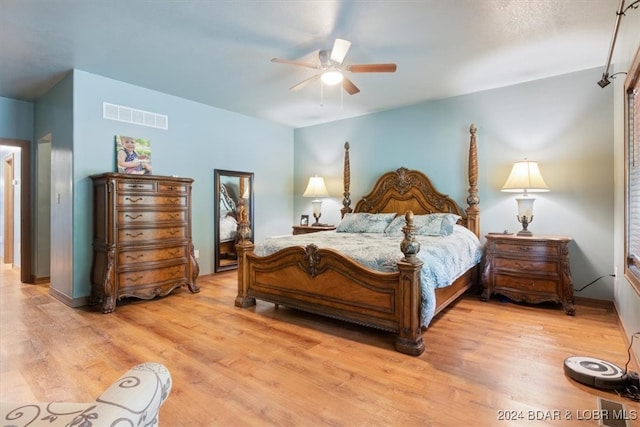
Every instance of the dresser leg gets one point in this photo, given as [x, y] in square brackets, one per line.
[109, 305]
[569, 308]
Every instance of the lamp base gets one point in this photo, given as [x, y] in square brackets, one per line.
[317, 218]
[525, 223]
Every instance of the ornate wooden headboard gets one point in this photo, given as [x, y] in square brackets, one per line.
[402, 190]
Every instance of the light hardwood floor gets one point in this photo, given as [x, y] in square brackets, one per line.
[270, 366]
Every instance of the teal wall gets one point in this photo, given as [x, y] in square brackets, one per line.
[54, 116]
[200, 139]
[16, 119]
[564, 122]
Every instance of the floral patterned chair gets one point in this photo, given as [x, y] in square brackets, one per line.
[133, 400]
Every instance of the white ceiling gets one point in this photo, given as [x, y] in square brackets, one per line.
[218, 52]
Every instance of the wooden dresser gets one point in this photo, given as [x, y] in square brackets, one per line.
[528, 269]
[142, 243]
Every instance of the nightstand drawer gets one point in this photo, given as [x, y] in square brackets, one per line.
[526, 249]
[527, 265]
[526, 283]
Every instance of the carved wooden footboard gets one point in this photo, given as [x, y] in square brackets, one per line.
[325, 282]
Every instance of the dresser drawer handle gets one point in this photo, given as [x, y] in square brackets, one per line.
[172, 187]
[135, 186]
[137, 235]
[174, 253]
[135, 279]
[174, 201]
[132, 216]
[134, 200]
[523, 266]
[135, 257]
[174, 215]
[524, 248]
[174, 232]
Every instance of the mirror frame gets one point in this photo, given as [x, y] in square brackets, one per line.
[219, 174]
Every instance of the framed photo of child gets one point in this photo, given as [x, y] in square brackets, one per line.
[304, 219]
[133, 155]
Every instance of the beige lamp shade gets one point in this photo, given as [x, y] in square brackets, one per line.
[525, 177]
[316, 188]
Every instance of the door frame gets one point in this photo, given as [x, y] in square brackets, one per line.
[26, 273]
[9, 209]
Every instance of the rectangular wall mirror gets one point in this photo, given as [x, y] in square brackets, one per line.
[232, 188]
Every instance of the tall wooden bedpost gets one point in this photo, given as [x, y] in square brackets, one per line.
[243, 247]
[346, 179]
[473, 211]
[409, 338]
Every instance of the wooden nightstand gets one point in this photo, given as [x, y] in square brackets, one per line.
[306, 229]
[529, 269]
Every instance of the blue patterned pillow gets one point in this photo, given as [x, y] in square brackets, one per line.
[363, 222]
[437, 224]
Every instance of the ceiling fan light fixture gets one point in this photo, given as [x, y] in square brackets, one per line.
[332, 78]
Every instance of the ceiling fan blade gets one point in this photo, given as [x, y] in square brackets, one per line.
[372, 68]
[339, 51]
[348, 86]
[305, 82]
[298, 63]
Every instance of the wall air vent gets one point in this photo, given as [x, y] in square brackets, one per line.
[132, 115]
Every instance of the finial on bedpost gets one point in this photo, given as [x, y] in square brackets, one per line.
[473, 212]
[346, 179]
[244, 227]
[409, 245]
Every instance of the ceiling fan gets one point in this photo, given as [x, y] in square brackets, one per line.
[332, 69]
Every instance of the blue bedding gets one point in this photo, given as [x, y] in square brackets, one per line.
[445, 258]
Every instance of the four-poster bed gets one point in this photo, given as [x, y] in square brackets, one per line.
[327, 282]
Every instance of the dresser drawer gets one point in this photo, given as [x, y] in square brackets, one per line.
[128, 200]
[137, 235]
[131, 257]
[527, 249]
[134, 217]
[525, 266]
[165, 187]
[124, 186]
[154, 276]
[525, 283]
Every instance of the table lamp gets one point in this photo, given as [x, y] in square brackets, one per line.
[525, 177]
[316, 189]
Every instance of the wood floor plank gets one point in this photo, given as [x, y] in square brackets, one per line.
[274, 366]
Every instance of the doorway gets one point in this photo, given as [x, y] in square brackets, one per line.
[23, 211]
[8, 209]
